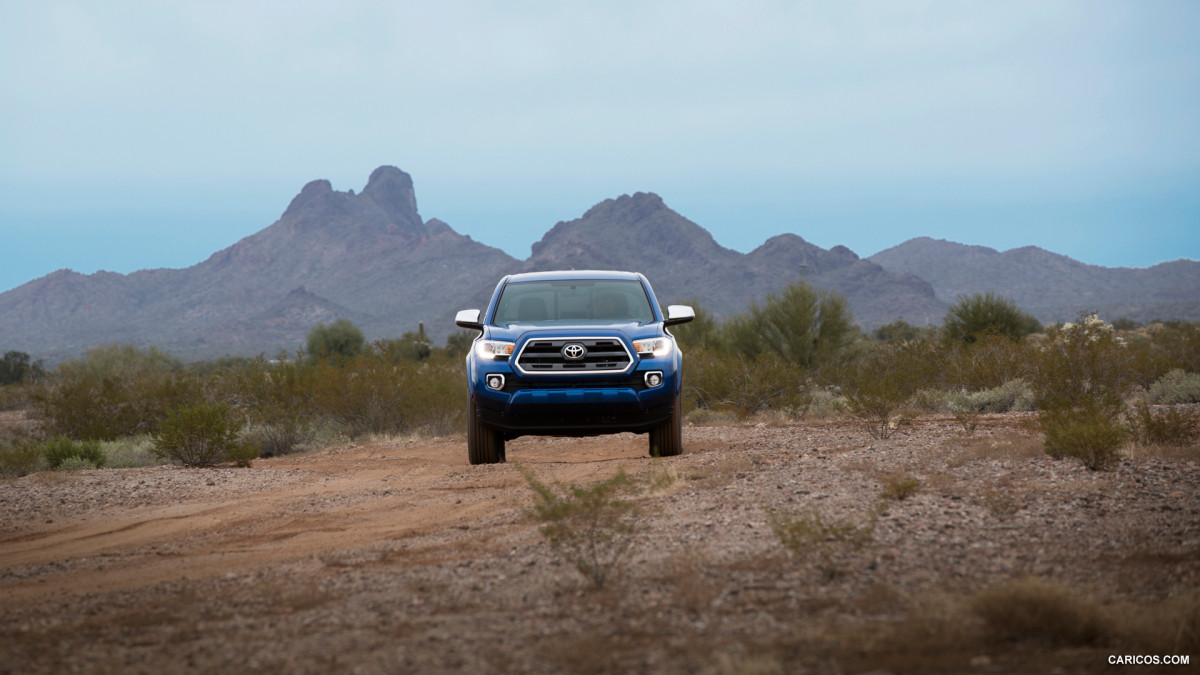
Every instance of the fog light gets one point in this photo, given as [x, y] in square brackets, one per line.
[495, 381]
[653, 378]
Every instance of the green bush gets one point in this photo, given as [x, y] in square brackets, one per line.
[1081, 365]
[15, 368]
[20, 453]
[280, 438]
[338, 340]
[114, 391]
[1171, 426]
[1012, 396]
[592, 527]
[243, 454]
[881, 385]
[60, 448]
[1088, 432]
[809, 535]
[987, 362]
[973, 316]
[201, 434]
[129, 452]
[1179, 342]
[900, 331]
[743, 386]
[74, 463]
[802, 325]
[1175, 387]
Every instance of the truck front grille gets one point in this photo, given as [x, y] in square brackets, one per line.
[545, 355]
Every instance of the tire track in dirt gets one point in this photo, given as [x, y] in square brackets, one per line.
[340, 500]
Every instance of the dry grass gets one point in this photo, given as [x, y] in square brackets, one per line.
[899, 486]
[694, 590]
[1011, 446]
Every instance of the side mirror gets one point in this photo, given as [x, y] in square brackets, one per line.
[468, 318]
[677, 314]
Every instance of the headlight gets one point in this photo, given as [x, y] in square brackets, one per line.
[654, 346]
[493, 349]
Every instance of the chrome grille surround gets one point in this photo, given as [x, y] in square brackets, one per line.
[543, 356]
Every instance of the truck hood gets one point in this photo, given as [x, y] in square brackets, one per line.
[519, 331]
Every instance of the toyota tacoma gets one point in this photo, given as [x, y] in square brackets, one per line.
[573, 353]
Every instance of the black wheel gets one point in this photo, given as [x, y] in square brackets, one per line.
[666, 440]
[484, 444]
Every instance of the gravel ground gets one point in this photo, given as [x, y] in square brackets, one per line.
[396, 556]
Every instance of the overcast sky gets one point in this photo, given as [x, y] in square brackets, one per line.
[152, 134]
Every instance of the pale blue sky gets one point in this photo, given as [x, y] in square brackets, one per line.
[152, 134]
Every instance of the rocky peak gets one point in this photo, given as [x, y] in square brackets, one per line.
[392, 191]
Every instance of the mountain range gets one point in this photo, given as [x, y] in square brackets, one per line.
[371, 258]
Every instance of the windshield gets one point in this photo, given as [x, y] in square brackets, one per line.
[607, 301]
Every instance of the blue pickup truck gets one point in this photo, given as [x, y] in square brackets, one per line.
[573, 353]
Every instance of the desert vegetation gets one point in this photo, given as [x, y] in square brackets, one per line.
[1097, 390]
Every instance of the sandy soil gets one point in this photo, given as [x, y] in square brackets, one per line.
[397, 556]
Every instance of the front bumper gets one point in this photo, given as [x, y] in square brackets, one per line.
[575, 408]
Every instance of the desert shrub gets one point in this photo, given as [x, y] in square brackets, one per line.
[744, 386]
[129, 452]
[1145, 363]
[899, 486]
[802, 325]
[201, 434]
[368, 395]
[1079, 384]
[880, 385]
[15, 368]
[809, 535]
[459, 343]
[280, 393]
[1028, 609]
[900, 331]
[16, 396]
[75, 464]
[338, 340]
[59, 449]
[1013, 396]
[988, 361]
[1179, 342]
[412, 346]
[1079, 362]
[591, 527]
[243, 454]
[1175, 387]
[964, 412]
[973, 316]
[280, 438]
[1171, 426]
[435, 405]
[20, 453]
[1087, 432]
[114, 391]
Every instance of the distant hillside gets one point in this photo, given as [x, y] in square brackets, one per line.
[368, 257]
[371, 258]
[1050, 286]
[683, 261]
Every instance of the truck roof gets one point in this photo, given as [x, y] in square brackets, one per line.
[567, 275]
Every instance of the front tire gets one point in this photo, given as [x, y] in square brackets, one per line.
[666, 440]
[484, 444]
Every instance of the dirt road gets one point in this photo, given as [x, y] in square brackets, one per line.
[397, 556]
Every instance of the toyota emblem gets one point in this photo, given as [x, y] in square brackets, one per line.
[573, 351]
